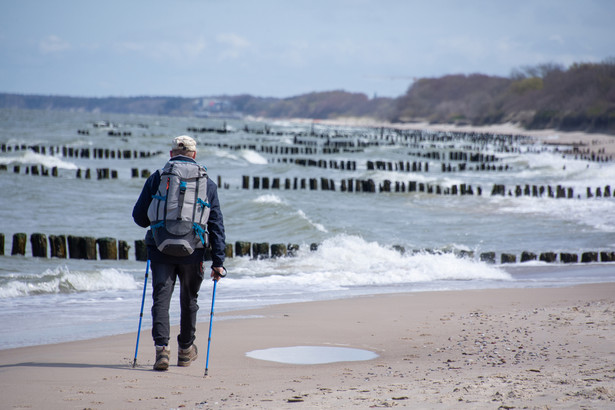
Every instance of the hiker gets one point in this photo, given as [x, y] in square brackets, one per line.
[175, 252]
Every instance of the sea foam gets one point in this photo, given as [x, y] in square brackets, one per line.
[32, 158]
[62, 280]
[253, 157]
[344, 261]
[269, 199]
[598, 213]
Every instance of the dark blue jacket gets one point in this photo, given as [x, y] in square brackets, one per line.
[215, 224]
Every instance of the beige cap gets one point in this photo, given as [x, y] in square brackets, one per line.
[184, 143]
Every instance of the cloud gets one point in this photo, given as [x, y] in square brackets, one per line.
[52, 44]
[556, 38]
[234, 46]
[165, 50]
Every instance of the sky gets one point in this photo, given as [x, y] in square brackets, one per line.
[284, 48]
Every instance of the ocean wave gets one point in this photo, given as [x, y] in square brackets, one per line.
[552, 166]
[62, 280]
[253, 157]
[32, 158]
[345, 260]
[225, 154]
[597, 213]
[318, 226]
[269, 199]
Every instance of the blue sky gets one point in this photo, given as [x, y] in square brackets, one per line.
[282, 48]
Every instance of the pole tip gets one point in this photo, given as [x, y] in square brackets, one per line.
[134, 363]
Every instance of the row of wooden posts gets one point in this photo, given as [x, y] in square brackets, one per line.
[394, 166]
[41, 170]
[409, 138]
[82, 247]
[101, 173]
[358, 185]
[90, 248]
[106, 173]
[71, 246]
[353, 185]
[80, 152]
[281, 150]
[388, 135]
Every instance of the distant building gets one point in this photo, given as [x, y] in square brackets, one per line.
[212, 107]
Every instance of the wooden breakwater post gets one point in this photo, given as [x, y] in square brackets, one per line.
[589, 257]
[57, 245]
[1, 244]
[487, 257]
[228, 250]
[75, 251]
[528, 256]
[566, 257]
[607, 256]
[260, 250]
[508, 258]
[140, 250]
[107, 248]
[80, 247]
[242, 248]
[123, 249]
[292, 249]
[278, 250]
[548, 257]
[19, 244]
[39, 245]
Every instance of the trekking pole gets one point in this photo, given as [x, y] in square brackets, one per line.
[211, 319]
[134, 362]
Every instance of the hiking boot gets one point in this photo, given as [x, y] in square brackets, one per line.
[187, 356]
[162, 358]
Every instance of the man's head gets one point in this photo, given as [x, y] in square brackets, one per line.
[183, 145]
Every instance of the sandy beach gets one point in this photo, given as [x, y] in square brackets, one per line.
[596, 143]
[501, 348]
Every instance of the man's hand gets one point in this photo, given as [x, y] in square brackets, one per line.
[218, 272]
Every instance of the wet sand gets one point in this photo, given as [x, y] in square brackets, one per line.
[501, 348]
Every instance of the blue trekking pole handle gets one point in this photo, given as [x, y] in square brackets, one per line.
[211, 319]
[134, 362]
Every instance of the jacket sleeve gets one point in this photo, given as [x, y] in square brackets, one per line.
[215, 226]
[139, 212]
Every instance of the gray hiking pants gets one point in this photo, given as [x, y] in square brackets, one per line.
[164, 276]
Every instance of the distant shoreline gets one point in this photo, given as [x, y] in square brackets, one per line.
[594, 141]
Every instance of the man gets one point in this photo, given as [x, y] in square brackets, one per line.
[189, 269]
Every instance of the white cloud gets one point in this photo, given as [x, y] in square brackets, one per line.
[164, 50]
[232, 40]
[234, 46]
[52, 44]
[556, 38]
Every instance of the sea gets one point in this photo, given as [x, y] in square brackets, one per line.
[350, 243]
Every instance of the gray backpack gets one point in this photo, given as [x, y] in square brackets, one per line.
[179, 210]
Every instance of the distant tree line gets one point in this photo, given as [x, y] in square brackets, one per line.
[581, 97]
